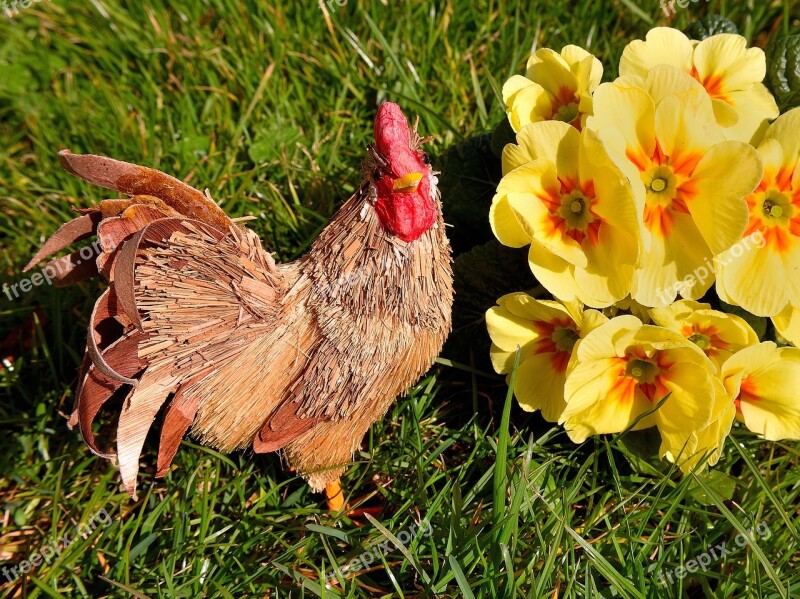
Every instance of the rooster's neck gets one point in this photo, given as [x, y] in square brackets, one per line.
[356, 264]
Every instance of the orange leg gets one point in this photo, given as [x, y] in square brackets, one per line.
[334, 496]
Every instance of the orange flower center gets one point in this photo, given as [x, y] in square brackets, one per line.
[564, 107]
[706, 337]
[638, 372]
[668, 185]
[775, 209]
[557, 337]
[570, 211]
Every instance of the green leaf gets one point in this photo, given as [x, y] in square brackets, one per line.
[502, 136]
[469, 176]
[480, 276]
[329, 532]
[724, 486]
[463, 584]
[783, 70]
[142, 546]
[710, 25]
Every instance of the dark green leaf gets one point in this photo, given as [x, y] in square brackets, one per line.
[783, 70]
[480, 277]
[710, 25]
[469, 176]
[502, 136]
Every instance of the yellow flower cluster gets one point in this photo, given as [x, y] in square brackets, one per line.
[679, 173]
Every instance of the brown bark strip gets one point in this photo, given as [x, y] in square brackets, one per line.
[141, 407]
[84, 369]
[70, 232]
[177, 421]
[121, 356]
[135, 180]
[100, 311]
[281, 428]
[72, 268]
[113, 231]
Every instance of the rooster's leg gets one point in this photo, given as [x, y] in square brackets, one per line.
[334, 496]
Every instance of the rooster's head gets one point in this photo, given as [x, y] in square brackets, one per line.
[402, 182]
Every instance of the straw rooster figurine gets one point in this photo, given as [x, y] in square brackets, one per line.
[300, 357]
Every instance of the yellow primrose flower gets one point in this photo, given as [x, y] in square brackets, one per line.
[562, 194]
[555, 87]
[718, 334]
[731, 73]
[679, 165]
[695, 450]
[623, 369]
[545, 331]
[764, 382]
[787, 323]
[760, 273]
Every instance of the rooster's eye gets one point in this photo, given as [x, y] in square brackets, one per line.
[425, 158]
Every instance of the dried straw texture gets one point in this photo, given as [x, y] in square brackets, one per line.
[302, 357]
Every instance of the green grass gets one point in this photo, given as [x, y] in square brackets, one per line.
[270, 108]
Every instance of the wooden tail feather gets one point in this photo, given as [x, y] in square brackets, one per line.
[70, 232]
[133, 180]
[97, 389]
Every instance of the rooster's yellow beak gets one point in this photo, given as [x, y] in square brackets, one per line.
[407, 183]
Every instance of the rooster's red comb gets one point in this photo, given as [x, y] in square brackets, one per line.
[391, 129]
[393, 140]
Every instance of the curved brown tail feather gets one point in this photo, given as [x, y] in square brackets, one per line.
[73, 268]
[134, 180]
[103, 312]
[136, 418]
[96, 389]
[177, 420]
[67, 234]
